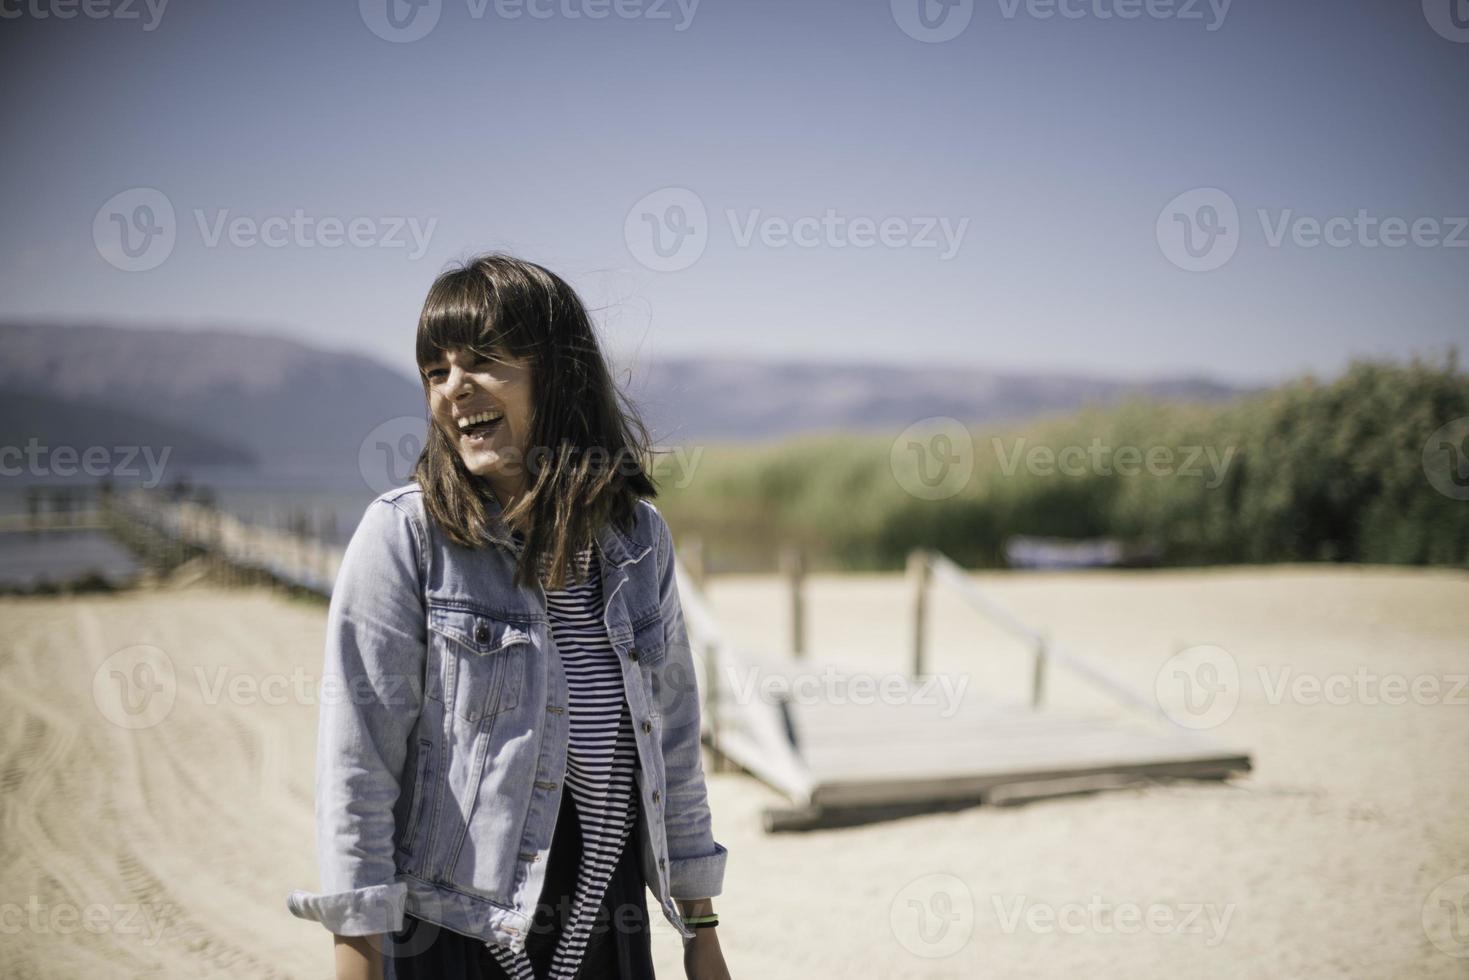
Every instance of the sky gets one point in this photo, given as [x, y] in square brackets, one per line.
[1244, 190]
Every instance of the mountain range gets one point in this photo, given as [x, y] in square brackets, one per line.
[279, 405]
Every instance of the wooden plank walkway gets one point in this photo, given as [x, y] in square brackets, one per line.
[911, 748]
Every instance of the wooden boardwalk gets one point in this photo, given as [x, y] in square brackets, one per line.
[841, 758]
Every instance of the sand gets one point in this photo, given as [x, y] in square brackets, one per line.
[159, 837]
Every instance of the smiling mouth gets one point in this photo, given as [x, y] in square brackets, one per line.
[477, 427]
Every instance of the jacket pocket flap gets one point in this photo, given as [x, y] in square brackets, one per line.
[476, 631]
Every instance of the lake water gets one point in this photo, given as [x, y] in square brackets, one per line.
[28, 559]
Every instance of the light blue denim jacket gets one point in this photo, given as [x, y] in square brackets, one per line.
[441, 751]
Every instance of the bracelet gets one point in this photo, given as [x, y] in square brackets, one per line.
[701, 921]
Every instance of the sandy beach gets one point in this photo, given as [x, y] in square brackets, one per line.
[157, 835]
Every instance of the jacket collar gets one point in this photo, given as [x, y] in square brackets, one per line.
[615, 546]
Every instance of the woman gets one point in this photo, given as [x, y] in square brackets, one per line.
[508, 754]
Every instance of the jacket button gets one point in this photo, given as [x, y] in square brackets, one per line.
[655, 796]
[481, 633]
[647, 726]
[632, 654]
[660, 862]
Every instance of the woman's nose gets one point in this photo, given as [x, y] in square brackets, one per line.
[458, 382]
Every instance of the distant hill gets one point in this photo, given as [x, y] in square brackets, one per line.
[234, 396]
[687, 399]
[80, 424]
[290, 407]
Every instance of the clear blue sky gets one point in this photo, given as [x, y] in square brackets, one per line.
[1059, 140]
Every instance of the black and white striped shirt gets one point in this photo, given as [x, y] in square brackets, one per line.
[601, 759]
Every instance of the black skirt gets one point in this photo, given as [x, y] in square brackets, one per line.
[619, 947]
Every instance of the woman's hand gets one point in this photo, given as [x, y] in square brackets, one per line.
[702, 957]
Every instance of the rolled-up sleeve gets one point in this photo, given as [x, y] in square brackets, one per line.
[696, 859]
[370, 698]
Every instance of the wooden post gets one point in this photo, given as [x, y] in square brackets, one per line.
[696, 560]
[919, 573]
[793, 566]
[1038, 677]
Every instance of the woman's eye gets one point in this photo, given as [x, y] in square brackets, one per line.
[436, 374]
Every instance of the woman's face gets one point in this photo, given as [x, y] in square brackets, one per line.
[483, 405]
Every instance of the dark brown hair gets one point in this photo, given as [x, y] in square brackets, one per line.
[588, 453]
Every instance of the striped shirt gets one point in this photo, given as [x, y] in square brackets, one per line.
[601, 759]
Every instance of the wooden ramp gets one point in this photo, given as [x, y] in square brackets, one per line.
[848, 755]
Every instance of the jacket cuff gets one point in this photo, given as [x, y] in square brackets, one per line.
[360, 912]
[697, 877]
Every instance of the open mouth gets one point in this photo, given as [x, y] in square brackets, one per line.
[478, 427]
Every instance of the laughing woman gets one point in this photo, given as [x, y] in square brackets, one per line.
[508, 755]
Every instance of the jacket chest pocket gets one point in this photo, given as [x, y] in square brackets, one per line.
[648, 650]
[481, 662]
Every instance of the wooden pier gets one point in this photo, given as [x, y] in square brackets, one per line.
[852, 760]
